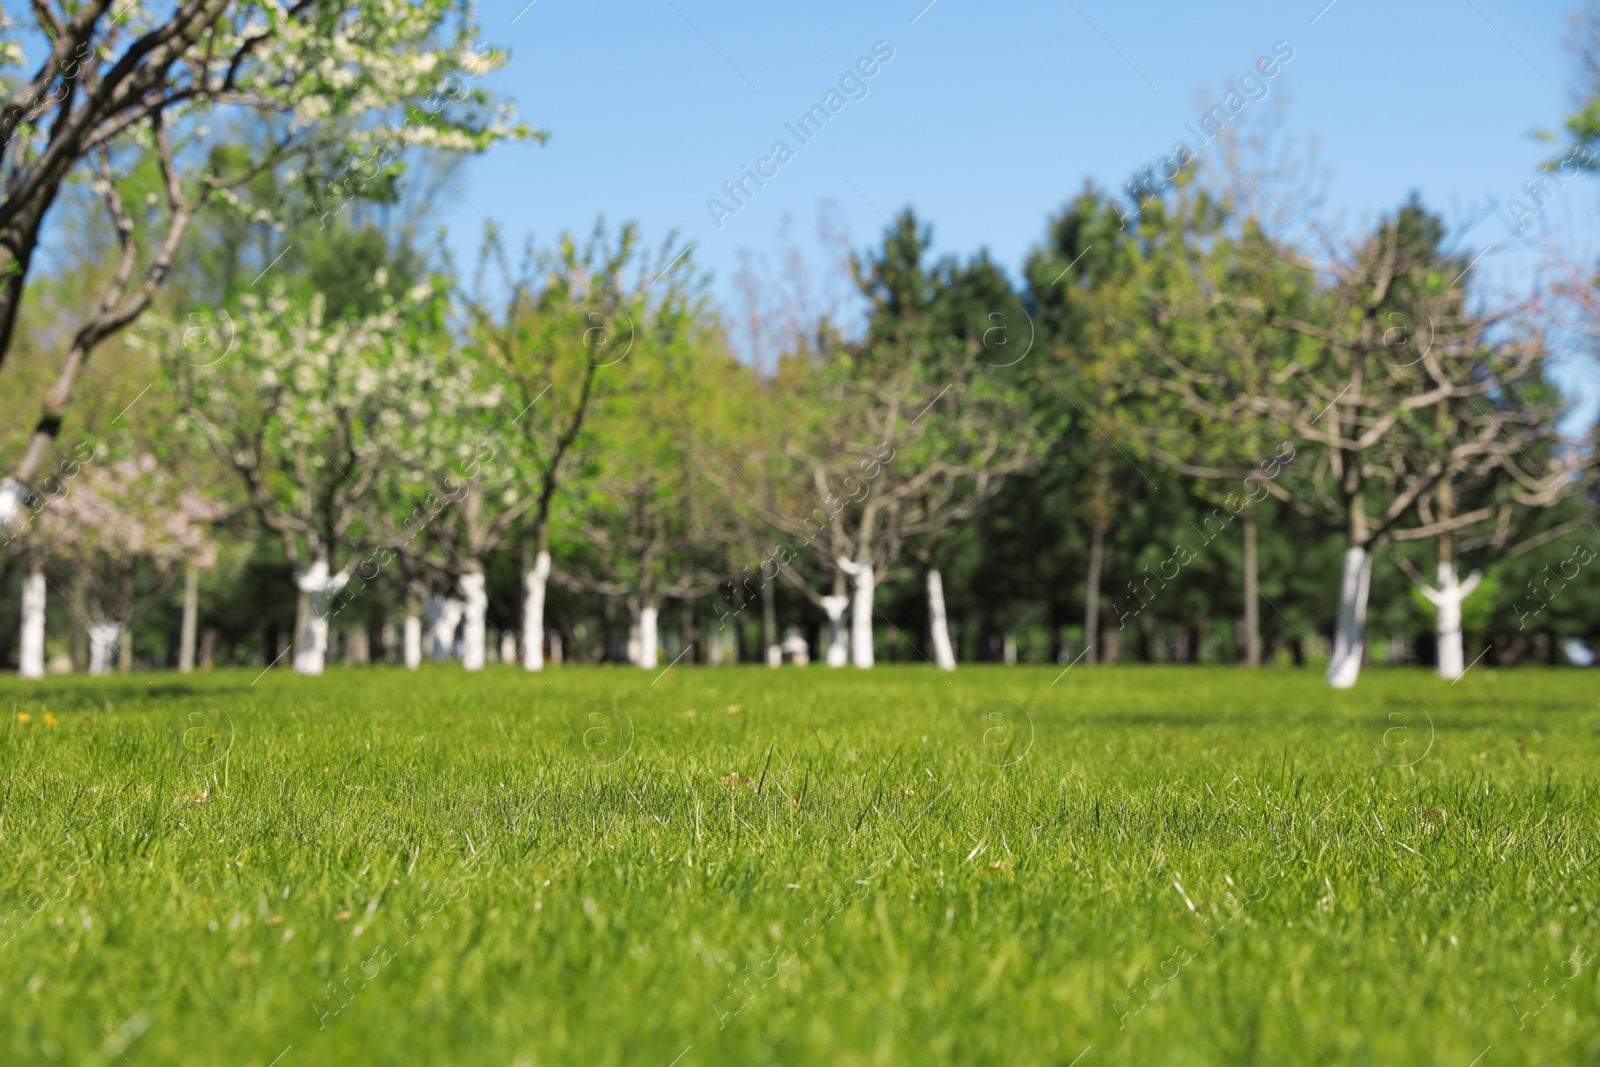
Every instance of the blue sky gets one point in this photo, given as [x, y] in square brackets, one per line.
[990, 115]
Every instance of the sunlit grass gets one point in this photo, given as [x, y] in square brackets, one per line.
[1134, 866]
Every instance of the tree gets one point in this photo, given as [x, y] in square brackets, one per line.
[1084, 306]
[309, 414]
[127, 527]
[646, 508]
[1375, 350]
[124, 99]
[929, 422]
[575, 318]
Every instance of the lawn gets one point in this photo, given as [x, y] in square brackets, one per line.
[805, 866]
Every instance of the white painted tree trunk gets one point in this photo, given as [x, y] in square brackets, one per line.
[1447, 600]
[796, 648]
[444, 614]
[1350, 633]
[413, 641]
[508, 648]
[12, 494]
[943, 656]
[1008, 650]
[191, 618]
[534, 584]
[860, 572]
[555, 647]
[648, 639]
[102, 645]
[838, 653]
[317, 589]
[32, 647]
[474, 628]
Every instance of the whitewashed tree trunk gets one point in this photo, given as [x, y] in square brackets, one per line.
[943, 656]
[648, 639]
[1447, 600]
[534, 584]
[102, 645]
[555, 647]
[1008, 650]
[444, 614]
[838, 654]
[191, 618]
[12, 494]
[508, 648]
[474, 628]
[1350, 633]
[796, 648]
[32, 646]
[413, 641]
[861, 610]
[317, 588]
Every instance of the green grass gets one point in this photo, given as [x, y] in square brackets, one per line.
[186, 866]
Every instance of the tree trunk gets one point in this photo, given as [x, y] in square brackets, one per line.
[208, 646]
[769, 625]
[413, 635]
[1349, 636]
[943, 656]
[1008, 649]
[688, 631]
[648, 639]
[1447, 600]
[31, 652]
[191, 618]
[12, 494]
[860, 611]
[475, 609]
[1252, 595]
[534, 583]
[838, 653]
[444, 614]
[508, 648]
[1091, 596]
[102, 640]
[317, 589]
[80, 631]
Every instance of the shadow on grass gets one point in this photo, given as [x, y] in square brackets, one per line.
[95, 697]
